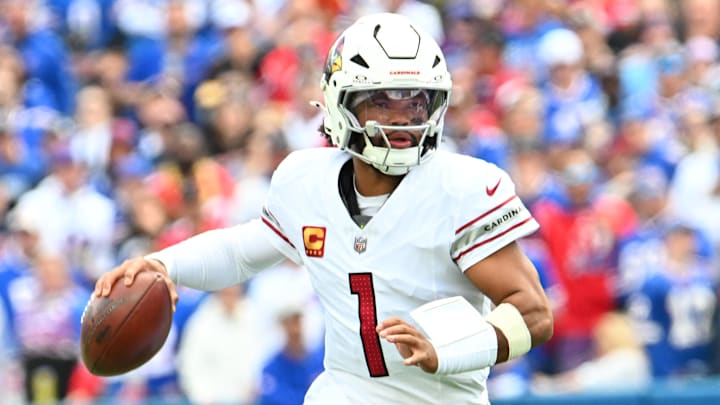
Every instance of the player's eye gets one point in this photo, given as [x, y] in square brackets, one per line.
[418, 106]
[379, 103]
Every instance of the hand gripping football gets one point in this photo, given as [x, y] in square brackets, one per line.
[123, 331]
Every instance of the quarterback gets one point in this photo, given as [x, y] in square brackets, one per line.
[412, 250]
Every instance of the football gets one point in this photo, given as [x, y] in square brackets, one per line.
[124, 330]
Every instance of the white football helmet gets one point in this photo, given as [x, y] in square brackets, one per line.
[384, 52]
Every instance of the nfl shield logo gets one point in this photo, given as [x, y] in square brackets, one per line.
[360, 244]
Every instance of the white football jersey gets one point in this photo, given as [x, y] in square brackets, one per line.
[445, 215]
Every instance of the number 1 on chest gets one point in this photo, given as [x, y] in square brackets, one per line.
[362, 285]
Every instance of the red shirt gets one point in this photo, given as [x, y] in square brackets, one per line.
[583, 247]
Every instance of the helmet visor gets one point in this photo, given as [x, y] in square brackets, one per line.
[393, 106]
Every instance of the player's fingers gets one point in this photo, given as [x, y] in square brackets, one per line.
[127, 270]
[399, 329]
[132, 268]
[174, 297]
[160, 268]
[388, 323]
[415, 360]
[105, 282]
[99, 286]
[410, 348]
[416, 355]
[404, 338]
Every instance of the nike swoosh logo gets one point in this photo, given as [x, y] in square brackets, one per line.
[491, 191]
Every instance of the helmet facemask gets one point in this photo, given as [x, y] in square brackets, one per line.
[400, 128]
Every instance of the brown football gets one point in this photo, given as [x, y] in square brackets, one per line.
[123, 331]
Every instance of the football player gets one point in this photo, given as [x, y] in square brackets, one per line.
[411, 249]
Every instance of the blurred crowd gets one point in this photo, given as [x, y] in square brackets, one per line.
[129, 125]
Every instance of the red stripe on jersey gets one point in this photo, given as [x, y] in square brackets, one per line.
[277, 231]
[488, 240]
[484, 215]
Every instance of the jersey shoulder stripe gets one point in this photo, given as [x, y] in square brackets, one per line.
[485, 214]
[492, 238]
[269, 220]
[489, 226]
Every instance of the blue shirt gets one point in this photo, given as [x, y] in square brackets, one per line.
[285, 380]
[675, 313]
[46, 59]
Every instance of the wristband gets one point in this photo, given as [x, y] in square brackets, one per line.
[462, 339]
[471, 353]
[509, 320]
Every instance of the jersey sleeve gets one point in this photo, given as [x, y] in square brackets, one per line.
[278, 209]
[491, 216]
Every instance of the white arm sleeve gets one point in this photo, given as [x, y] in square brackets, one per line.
[219, 258]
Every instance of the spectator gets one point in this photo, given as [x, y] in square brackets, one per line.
[174, 51]
[193, 187]
[582, 235]
[289, 373]
[488, 84]
[158, 110]
[43, 52]
[702, 56]
[490, 69]
[573, 98]
[108, 69]
[242, 45]
[93, 137]
[20, 249]
[47, 307]
[218, 360]
[227, 116]
[523, 24]
[86, 240]
[252, 170]
[673, 306]
[694, 198]
[294, 284]
[145, 220]
[599, 58]
[21, 166]
[639, 251]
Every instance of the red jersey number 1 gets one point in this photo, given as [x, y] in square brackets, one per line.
[362, 285]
